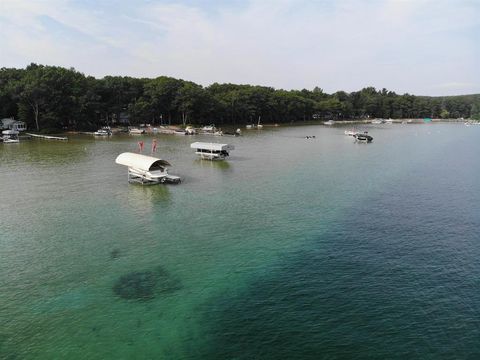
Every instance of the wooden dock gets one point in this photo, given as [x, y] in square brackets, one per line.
[48, 137]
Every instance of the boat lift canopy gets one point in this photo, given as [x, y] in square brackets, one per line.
[140, 162]
[211, 146]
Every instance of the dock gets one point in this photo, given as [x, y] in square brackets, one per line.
[48, 137]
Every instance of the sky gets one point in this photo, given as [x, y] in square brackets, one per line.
[421, 47]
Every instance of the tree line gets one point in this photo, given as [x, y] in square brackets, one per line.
[51, 97]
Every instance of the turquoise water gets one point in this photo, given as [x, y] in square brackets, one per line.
[294, 248]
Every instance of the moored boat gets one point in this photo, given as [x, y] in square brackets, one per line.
[237, 132]
[103, 132]
[10, 136]
[190, 130]
[136, 131]
[363, 137]
[10, 141]
[471, 122]
[209, 128]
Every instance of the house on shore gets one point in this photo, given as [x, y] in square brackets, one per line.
[12, 124]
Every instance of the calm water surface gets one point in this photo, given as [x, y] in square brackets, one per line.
[294, 248]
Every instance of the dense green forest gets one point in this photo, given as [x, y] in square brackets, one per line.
[50, 97]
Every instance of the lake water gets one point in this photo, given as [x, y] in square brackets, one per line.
[293, 248]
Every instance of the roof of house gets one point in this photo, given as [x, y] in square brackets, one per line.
[6, 121]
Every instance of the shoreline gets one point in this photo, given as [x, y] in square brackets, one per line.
[169, 129]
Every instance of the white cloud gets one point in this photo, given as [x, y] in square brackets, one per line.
[406, 46]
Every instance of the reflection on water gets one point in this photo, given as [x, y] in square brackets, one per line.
[42, 153]
[147, 196]
[222, 165]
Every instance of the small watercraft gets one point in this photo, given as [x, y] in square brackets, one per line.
[363, 137]
[135, 131]
[10, 136]
[103, 132]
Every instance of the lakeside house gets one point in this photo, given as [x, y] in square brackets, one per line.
[12, 124]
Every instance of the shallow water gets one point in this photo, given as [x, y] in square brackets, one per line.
[294, 248]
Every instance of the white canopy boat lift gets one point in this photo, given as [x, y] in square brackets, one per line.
[212, 151]
[146, 169]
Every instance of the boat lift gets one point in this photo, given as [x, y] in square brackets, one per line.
[146, 170]
[212, 151]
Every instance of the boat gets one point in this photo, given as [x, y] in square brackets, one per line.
[329, 122]
[145, 169]
[103, 132]
[351, 132]
[190, 130]
[180, 132]
[363, 137]
[136, 131]
[237, 132]
[11, 141]
[377, 121]
[209, 128]
[10, 136]
[212, 151]
[250, 126]
[389, 121]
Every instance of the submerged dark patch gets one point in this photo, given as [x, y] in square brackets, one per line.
[145, 285]
[115, 254]
[136, 285]
[166, 282]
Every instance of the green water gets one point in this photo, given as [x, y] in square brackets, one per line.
[268, 248]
